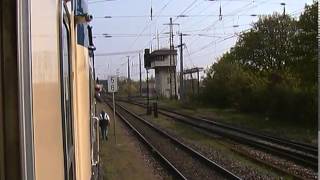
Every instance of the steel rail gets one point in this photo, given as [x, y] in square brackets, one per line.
[169, 166]
[307, 157]
[297, 145]
[292, 155]
[306, 148]
[226, 173]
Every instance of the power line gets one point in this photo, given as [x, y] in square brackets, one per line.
[98, 1]
[196, 36]
[189, 56]
[210, 44]
[186, 9]
[190, 5]
[118, 53]
[166, 5]
[236, 11]
[173, 15]
[202, 11]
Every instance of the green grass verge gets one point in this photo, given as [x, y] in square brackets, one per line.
[190, 134]
[277, 127]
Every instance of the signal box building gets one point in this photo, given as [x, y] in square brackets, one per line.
[164, 62]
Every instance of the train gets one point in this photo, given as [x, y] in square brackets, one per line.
[48, 125]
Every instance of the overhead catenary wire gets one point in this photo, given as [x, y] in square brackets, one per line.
[150, 22]
[210, 44]
[198, 31]
[174, 15]
[188, 7]
[98, 1]
[235, 12]
[202, 11]
[189, 56]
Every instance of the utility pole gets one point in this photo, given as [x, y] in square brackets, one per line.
[170, 56]
[148, 101]
[192, 84]
[181, 66]
[140, 75]
[181, 69]
[129, 80]
[158, 41]
[198, 75]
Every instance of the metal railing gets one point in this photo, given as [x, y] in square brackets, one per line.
[95, 147]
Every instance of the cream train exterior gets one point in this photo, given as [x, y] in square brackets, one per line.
[58, 136]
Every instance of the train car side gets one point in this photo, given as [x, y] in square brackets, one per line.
[53, 133]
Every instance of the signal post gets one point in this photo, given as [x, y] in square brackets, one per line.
[112, 88]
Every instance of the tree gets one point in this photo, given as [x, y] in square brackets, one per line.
[306, 46]
[265, 47]
[272, 69]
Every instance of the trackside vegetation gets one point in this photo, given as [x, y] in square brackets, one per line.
[272, 69]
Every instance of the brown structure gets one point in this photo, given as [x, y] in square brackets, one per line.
[191, 81]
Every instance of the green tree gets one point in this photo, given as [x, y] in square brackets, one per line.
[265, 47]
[272, 69]
[305, 50]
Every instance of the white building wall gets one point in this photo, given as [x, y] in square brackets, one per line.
[161, 64]
[165, 62]
[163, 81]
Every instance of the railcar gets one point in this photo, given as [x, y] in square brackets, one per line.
[48, 128]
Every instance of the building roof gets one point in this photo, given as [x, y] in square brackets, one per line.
[192, 70]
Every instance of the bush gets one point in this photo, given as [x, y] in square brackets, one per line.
[274, 95]
[273, 79]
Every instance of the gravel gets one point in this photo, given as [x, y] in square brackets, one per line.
[288, 166]
[157, 168]
[243, 170]
[190, 167]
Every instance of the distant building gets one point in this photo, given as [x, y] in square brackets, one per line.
[164, 63]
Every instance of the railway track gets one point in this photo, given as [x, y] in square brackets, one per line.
[301, 153]
[181, 160]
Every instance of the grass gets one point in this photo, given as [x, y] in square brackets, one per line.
[122, 159]
[190, 134]
[277, 127]
[219, 145]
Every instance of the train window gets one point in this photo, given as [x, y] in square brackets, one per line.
[66, 97]
[66, 86]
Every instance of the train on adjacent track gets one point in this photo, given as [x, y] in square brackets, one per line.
[47, 105]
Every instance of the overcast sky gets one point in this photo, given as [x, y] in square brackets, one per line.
[132, 30]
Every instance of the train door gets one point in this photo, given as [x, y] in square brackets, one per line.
[66, 91]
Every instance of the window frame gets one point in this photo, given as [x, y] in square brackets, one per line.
[68, 149]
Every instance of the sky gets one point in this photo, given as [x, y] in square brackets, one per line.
[130, 29]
